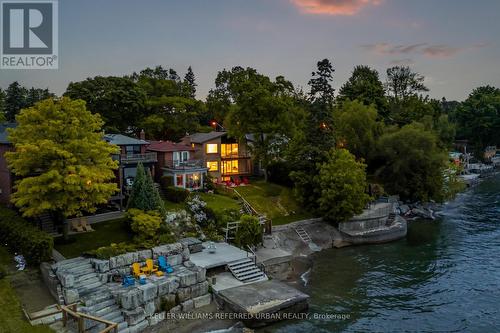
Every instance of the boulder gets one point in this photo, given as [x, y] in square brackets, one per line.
[185, 253]
[123, 260]
[67, 280]
[167, 250]
[175, 259]
[134, 316]
[202, 301]
[423, 213]
[183, 294]
[144, 254]
[187, 278]
[168, 285]
[199, 289]
[139, 327]
[175, 309]
[131, 299]
[102, 266]
[404, 209]
[149, 291]
[149, 308]
[187, 305]
[70, 295]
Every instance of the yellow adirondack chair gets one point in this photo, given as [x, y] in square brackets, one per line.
[150, 266]
[85, 225]
[136, 270]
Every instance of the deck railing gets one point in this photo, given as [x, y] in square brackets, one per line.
[133, 158]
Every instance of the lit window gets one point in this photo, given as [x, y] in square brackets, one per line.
[212, 148]
[213, 166]
[229, 150]
[230, 167]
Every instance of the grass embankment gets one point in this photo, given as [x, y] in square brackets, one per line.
[11, 315]
[275, 201]
[114, 231]
[219, 202]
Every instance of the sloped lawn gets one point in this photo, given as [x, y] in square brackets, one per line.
[275, 201]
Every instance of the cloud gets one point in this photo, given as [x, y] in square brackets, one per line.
[425, 49]
[402, 62]
[334, 7]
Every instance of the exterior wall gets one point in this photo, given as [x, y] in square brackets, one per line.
[6, 180]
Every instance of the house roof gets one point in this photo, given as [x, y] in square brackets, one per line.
[123, 140]
[168, 146]
[3, 132]
[204, 137]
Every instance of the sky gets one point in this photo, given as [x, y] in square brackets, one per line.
[455, 44]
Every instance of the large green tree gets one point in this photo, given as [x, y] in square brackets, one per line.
[341, 182]
[365, 86]
[263, 108]
[357, 128]
[2, 105]
[189, 84]
[402, 82]
[478, 118]
[118, 100]
[413, 163]
[61, 161]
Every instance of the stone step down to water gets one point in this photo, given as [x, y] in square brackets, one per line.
[246, 271]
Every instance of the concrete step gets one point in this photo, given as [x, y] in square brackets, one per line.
[240, 262]
[99, 306]
[252, 277]
[257, 279]
[243, 270]
[251, 272]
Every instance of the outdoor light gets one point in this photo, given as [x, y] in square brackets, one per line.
[89, 182]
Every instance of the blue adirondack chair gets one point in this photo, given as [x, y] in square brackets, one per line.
[128, 281]
[164, 265]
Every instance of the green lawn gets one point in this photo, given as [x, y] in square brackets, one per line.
[11, 315]
[105, 233]
[275, 201]
[169, 205]
[219, 202]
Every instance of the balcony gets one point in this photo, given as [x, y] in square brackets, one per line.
[186, 165]
[236, 155]
[136, 158]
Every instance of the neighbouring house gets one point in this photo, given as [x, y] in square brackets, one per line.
[132, 151]
[223, 156]
[6, 177]
[176, 161]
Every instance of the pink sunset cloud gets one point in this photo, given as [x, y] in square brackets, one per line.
[334, 7]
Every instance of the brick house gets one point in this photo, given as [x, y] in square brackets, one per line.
[224, 157]
[176, 160]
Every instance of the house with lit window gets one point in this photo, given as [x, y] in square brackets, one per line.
[132, 152]
[225, 158]
[177, 161]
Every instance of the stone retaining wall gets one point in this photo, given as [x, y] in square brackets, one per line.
[86, 280]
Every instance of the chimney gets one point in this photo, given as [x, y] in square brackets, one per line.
[142, 135]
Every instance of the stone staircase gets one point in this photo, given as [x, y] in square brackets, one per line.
[246, 271]
[390, 219]
[95, 298]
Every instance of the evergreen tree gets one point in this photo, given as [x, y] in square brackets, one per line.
[190, 84]
[2, 105]
[145, 195]
[15, 100]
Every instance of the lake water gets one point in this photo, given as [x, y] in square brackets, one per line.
[444, 277]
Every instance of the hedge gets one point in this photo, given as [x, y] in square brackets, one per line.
[24, 238]
[176, 194]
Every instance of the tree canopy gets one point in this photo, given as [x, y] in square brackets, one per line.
[61, 160]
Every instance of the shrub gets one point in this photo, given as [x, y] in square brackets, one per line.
[106, 252]
[208, 183]
[249, 232]
[145, 224]
[176, 194]
[23, 237]
[279, 173]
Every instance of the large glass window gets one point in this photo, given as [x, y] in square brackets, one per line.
[212, 148]
[213, 165]
[229, 167]
[193, 181]
[179, 180]
[229, 150]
